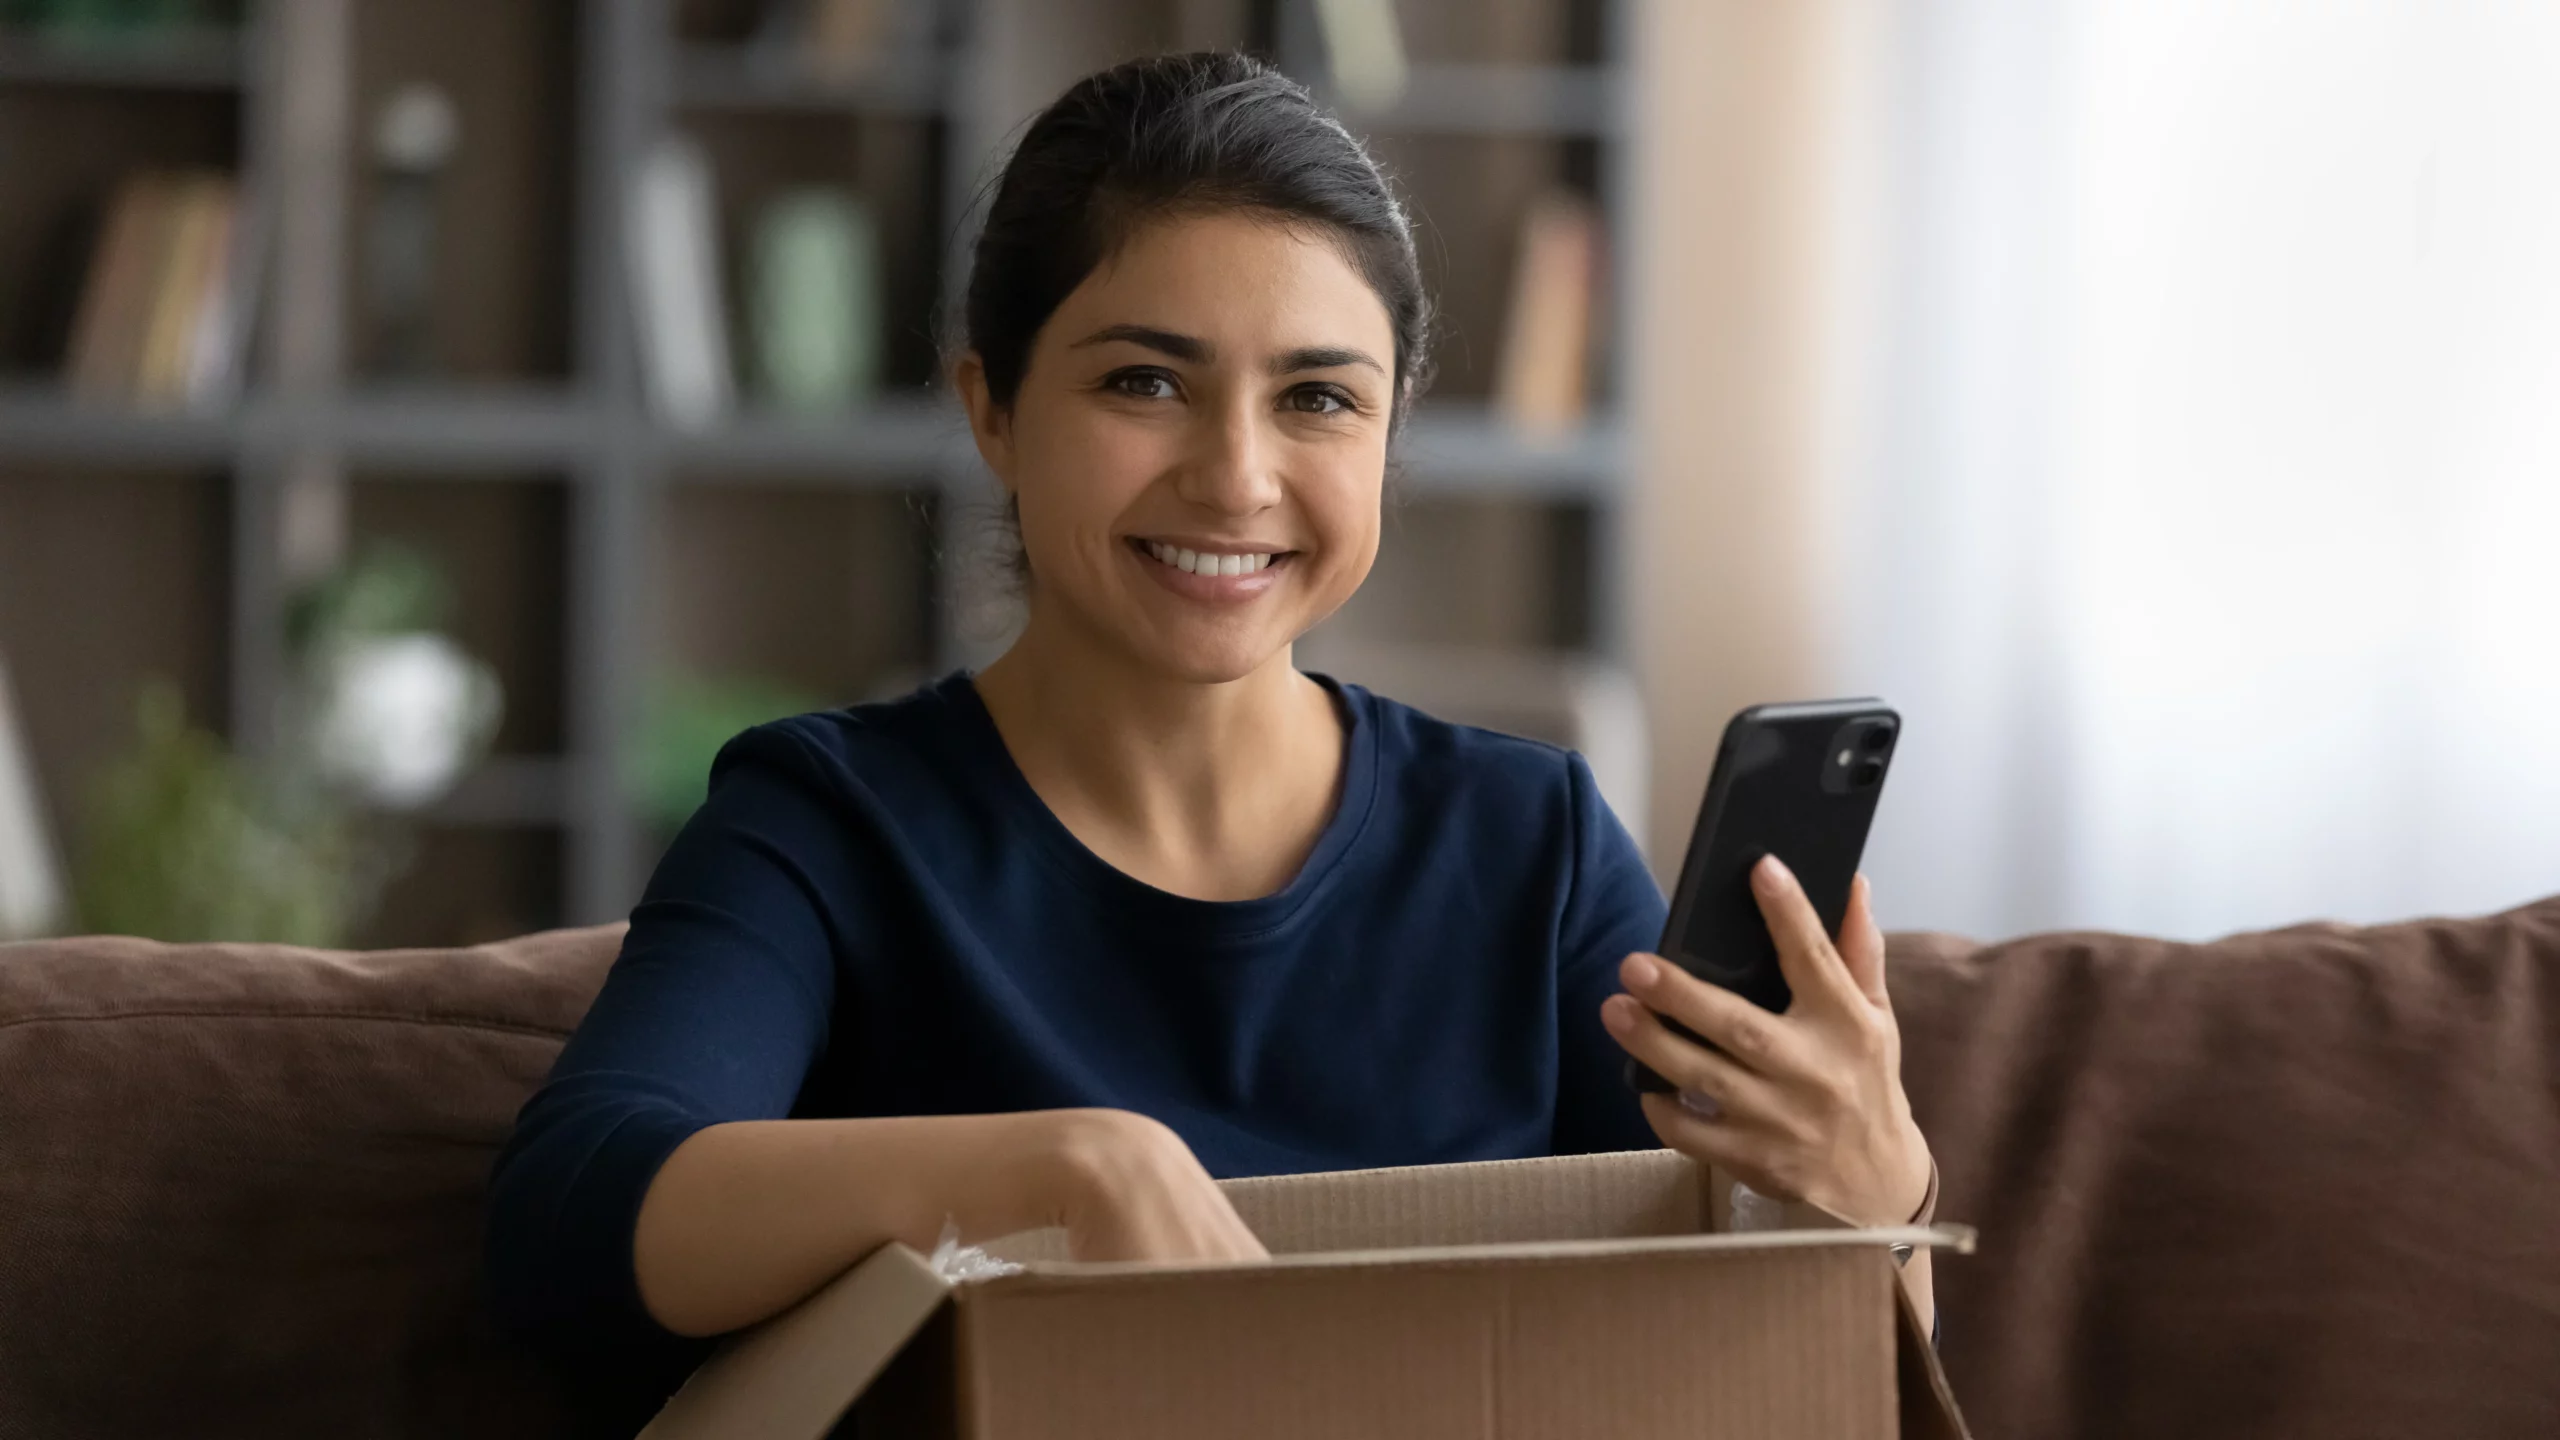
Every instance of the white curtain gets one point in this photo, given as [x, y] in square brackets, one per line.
[2209, 532]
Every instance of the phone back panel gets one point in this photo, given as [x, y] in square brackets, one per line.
[1779, 785]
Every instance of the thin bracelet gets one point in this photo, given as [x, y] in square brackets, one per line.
[1928, 1211]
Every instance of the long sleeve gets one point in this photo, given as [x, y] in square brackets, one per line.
[715, 1011]
[1613, 908]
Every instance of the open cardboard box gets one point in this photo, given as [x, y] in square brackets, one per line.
[1583, 1296]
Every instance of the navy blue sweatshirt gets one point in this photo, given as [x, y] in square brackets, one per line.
[873, 913]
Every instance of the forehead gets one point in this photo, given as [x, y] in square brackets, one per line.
[1254, 282]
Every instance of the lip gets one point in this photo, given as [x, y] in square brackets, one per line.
[1212, 589]
[1210, 547]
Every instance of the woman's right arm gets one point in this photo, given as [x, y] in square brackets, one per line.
[653, 1188]
[746, 1218]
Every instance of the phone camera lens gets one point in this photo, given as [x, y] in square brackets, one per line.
[1867, 773]
[1874, 741]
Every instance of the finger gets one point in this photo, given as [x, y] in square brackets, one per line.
[1749, 1036]
[1813, 968]
[1862, 944]
[1740, 1150]
[1688, 1065]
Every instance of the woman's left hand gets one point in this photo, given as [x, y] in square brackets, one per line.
[1807, 1105]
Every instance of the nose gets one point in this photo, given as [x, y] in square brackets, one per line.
[1233, 466]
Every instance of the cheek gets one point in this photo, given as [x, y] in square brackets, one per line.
[1343, 507]
[1076, 472]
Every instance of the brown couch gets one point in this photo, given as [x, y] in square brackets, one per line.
[2293, 1184]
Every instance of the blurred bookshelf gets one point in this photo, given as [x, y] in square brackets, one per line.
[595, 542]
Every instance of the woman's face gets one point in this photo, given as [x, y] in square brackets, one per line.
[1199, 442]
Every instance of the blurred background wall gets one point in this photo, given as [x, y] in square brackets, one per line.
[2205, 517]
[474, 410]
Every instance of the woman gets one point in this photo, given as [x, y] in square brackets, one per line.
[1141, 903]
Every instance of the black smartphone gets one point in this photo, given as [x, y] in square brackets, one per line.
[1800, 781]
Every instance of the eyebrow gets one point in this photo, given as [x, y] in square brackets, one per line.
[1192, 350]
[1321, 357]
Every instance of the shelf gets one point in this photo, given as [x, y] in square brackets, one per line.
[479, 428]
[744, 77]
[190, 60]
[45, 422]
[1450, 97]
[897, 444]
[1446, 449]
[1466, 450]
[1494, 99]
[468, 429]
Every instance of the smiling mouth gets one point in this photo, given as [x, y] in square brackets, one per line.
[1207, 563]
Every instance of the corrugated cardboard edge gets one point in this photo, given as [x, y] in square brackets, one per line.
[1929, 1410]
[1951, 1237]
[793, 1376]
[1928, 1403]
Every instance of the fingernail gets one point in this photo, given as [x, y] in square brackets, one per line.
[1702, 1105]
[1640, 972]
[1770, 872]
[1619, 1014]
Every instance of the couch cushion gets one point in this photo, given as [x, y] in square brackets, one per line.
[242, 1184]
[2287, 1184]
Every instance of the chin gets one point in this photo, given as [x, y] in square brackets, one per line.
[1206, 660]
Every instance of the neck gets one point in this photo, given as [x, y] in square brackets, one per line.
[1215, 790]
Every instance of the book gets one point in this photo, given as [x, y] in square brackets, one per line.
[813, 301]
[675, 278]
[108, 330]
[155, 320]
[1541, 381]
[190, 277]
[847, 37]
[31, 900]
[218, 355]
[1365, 48]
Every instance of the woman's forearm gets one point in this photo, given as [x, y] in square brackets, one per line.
[745, 1219]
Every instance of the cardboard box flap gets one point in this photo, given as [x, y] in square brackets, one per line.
[1927, 1402]
[794, 1376]
[1489, 1202]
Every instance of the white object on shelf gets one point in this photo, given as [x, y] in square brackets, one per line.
[402, 715]
[1366, 48]
[30, 879]
[675, 287]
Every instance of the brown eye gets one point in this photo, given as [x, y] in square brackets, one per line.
[1319, 400]
[1142, 384]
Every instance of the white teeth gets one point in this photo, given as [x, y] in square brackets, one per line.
[1196, 563]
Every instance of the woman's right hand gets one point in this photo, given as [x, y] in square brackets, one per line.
[1127, 1188]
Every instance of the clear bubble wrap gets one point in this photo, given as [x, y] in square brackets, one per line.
[966, 1264]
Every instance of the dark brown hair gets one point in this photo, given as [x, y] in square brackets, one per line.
[1171, 134]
